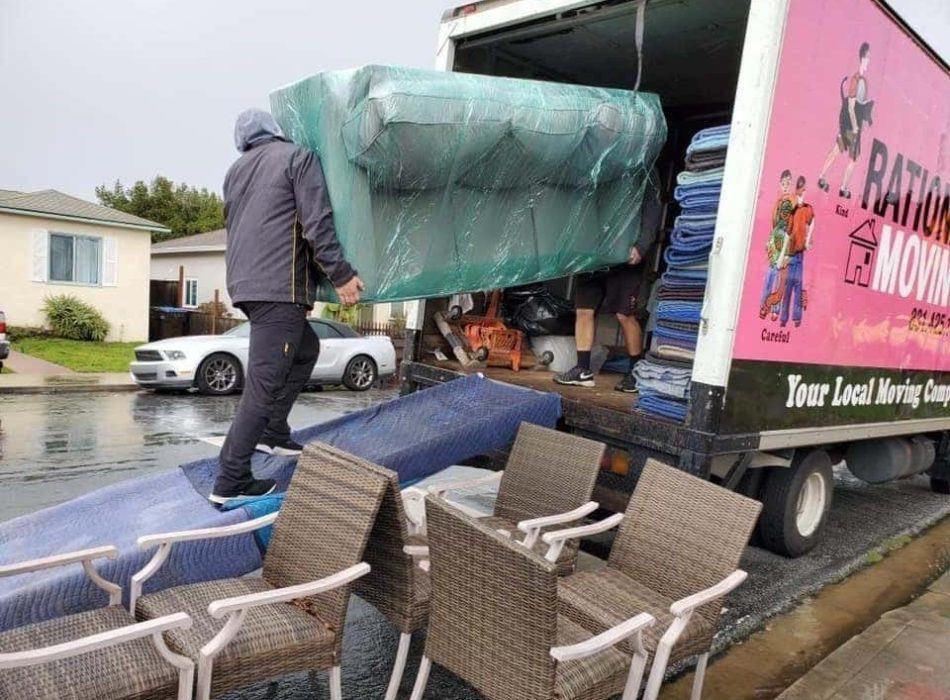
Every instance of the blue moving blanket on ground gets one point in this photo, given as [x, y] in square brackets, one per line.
[416, 436]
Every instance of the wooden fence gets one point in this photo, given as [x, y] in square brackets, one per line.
[396, 333]
[168, 323]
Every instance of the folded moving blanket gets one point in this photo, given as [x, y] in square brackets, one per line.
[701, 162]
[686, 337]
[684, 240]
[685, 258]
[698, 224]
[696, 294]
[657, 405]
[679, 311]
[711, 139]
[661, 379]
[683, 275]
[673, 352]
[687, 177]
[668, 361]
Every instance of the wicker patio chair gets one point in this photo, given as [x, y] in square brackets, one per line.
[290, 619]
[394, 586]
[675, 556]
[102, 654]
[547, 481]
[494, 622]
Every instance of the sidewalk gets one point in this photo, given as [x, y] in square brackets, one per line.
[905, 654]
[19, 363]
[71, 381]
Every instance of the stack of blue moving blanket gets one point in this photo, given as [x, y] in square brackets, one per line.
[663, 376]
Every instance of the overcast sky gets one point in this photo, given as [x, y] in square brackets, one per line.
[95, 90]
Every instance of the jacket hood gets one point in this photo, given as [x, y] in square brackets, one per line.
[255, 126]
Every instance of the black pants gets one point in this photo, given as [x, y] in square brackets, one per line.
[283, 351]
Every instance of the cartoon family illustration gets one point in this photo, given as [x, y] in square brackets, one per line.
[793, 220]
[793, 225]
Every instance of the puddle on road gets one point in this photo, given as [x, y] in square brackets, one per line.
[57, 446]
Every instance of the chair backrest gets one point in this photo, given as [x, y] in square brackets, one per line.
[547, 472]
[323, 526]
[682, 534]
[493, 616]
[390, 585]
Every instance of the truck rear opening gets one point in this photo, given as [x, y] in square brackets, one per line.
[775, 402]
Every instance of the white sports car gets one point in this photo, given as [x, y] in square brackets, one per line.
[215, 364]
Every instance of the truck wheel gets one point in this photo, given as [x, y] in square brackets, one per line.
[940, 485]
[796, 500]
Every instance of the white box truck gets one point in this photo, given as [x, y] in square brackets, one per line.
[840, 98]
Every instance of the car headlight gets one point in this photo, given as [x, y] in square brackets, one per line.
[174, 354]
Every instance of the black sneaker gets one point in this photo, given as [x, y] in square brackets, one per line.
[628, 385]
[253, 489]
[844, 193]
[823, 184]
[576, 377]
[284, 448]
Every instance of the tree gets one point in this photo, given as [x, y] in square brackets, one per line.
[185, 210]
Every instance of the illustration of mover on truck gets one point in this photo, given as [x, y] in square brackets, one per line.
[855, 112]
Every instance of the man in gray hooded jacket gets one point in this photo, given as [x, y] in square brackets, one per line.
[281, 239]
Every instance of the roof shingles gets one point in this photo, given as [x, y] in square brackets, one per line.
[59, 204]
[211, 239]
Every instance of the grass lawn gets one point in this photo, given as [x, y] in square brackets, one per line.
[6, 370]
[79, 356]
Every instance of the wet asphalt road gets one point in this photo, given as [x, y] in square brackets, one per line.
[58, 446]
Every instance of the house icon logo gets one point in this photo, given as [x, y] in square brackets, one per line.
[861, 255]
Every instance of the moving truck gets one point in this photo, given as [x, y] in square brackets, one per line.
[863, 376]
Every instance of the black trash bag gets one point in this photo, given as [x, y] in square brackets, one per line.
[534, 310]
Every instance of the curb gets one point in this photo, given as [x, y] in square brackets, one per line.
[67, 388]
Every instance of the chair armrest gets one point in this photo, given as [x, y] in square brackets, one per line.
[604, 640]
[688, 604]
[532, 528]
[83, 556]
[420, 553]
[220, 608]
[146, 541]
[414, 505]
[441, 489]
[102, 640]
[558, 538]
[57, 560]
[166, 540]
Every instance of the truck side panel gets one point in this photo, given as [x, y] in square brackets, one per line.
[844, 317]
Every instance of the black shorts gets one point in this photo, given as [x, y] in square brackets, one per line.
[613, 291]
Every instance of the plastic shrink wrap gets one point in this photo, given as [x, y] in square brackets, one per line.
[447, 182]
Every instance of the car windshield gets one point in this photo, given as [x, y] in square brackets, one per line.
[242, 331]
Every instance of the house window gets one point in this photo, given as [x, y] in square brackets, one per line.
[76, 259]
[191, 293]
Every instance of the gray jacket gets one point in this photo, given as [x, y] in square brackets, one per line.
[281, 236]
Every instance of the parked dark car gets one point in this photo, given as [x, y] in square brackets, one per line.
[4, 343]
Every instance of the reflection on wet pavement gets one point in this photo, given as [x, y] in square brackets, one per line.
[57, 446]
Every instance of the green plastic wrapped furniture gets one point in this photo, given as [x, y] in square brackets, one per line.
[446, 182]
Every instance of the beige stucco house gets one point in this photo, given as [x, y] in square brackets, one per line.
[53, 244]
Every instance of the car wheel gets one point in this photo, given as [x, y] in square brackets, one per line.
[360, 373]
[219, 375]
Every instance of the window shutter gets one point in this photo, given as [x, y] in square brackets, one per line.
[40, 255]
[110, 262]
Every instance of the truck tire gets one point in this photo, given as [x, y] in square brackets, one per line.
[796, 500]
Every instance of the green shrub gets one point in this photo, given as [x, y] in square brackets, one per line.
[17, 333]
[74, 319]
